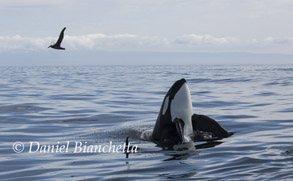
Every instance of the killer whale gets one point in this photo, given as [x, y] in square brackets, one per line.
[176, 122]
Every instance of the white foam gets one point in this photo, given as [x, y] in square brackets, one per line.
[146, 135]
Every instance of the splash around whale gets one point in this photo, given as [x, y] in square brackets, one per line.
[177, 124]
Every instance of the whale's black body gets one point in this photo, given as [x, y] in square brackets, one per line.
[57, 45]
[206, 124]
[176, 123]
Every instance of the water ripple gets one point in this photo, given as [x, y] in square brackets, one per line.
[99, 104]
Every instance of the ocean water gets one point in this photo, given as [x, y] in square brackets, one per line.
[102, 105]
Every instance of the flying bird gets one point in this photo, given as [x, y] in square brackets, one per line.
[57, 45]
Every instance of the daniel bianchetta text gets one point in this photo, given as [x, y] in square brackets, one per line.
[76, 147]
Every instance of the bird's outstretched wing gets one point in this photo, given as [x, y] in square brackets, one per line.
[206, 124]
[61, 36]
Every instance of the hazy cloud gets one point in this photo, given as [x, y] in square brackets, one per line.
[19, 42]
[89, 41]
[282, 40]
[194, 39]
[132, 42]
[114, 42]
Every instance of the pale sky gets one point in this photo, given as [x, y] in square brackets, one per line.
[209, 26]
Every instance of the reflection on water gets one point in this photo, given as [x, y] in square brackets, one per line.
[110, 103]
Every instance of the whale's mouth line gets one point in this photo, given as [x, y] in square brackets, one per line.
[179, 123]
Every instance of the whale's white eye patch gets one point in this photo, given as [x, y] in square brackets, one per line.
[166, 103]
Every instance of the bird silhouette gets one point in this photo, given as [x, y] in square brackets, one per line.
[57, 45]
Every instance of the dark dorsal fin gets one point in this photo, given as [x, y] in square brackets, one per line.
[61, 36]
[206, 124]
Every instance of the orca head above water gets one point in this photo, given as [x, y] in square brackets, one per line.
[174, 120]
[176, 123]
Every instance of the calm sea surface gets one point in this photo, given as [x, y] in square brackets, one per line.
[102, 105]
